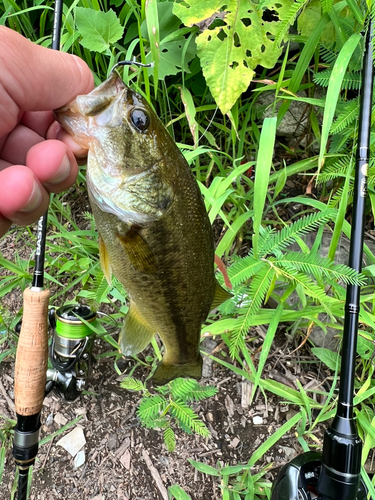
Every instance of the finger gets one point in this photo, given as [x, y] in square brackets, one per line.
[4, 164]
[53, 164]
[18, 143]
[38, 121]
[56, 132]
[22, 198]
[4, 225]
[59, 77]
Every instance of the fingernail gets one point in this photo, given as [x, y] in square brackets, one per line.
[62, 172]
[34, 200]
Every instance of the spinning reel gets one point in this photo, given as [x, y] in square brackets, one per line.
[70, 354]
[71, 350]
[303, 479]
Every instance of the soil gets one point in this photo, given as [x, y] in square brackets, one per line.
[119, 451]
[125, 461]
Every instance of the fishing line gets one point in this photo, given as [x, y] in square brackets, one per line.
[130, 63]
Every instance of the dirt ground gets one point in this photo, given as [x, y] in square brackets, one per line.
[124, 461]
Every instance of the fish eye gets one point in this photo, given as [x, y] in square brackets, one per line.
[140, 119]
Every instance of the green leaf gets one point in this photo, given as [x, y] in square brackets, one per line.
[262, 173]
[169, 439]
[132, 384]
[150, 408]
[270, 335]
[2, 461]
[330, 358]
[170, 57]
[263, 448]
[178, 493]
[206, 469]
[187, 418]
[230, 52]
[98, 29]
[152, 21]
[334, 89]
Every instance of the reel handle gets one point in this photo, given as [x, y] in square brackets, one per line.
[32, 354]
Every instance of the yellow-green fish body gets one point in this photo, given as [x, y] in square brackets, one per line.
[154, 232]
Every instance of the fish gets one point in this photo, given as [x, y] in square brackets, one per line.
[154, 232]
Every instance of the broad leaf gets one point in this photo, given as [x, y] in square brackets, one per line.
[329, 358]
[230, 50]
[98, 29]
[170, 60]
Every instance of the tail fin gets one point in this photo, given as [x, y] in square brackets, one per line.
[135, 334]
[165, 373]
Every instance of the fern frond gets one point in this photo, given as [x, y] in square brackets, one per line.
[101, 288]
[340, 141]
[351, 81]
[182, 386]
[258, 289]
[190, 390]
[289, 20]
[309, 287]
[287, 235]
[159, 422]
[319, 266]
[201, 392]
[244, 269]
[150, 408]
[326, 6]
[338, 169]
[327, 55]
[347, 117]
[169, 439]
[186, 416]
[337, 197]
[132, 384]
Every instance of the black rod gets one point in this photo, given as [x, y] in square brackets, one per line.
[38, 276]
[340, 473]
[349, 345]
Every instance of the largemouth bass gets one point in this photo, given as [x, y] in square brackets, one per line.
[154, 232]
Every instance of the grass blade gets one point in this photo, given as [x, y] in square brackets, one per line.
[152, 21]
[267, 345]
[340, 216]
[262, 174]
[263, 448]
[334, 88]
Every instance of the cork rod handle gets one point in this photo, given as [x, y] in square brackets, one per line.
[32, 354]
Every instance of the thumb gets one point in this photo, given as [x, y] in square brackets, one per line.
[36, 78]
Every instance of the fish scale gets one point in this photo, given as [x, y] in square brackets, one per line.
[154, 231]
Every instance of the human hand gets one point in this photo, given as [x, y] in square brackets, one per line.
[36, 156]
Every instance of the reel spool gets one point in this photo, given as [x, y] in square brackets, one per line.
[71, 350]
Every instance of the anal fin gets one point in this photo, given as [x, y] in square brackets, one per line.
[220, 296]
[135, 334]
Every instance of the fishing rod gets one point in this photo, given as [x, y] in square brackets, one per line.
[32, 349]
[335, 475]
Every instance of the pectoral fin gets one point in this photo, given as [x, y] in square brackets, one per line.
[105, 262]
[164, 373]
[220, 296]
[138, 251]
[136, 334]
